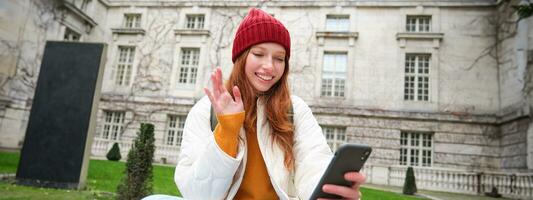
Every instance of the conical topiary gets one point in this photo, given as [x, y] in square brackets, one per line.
[137, 181]
[114, 153]
[409, 186]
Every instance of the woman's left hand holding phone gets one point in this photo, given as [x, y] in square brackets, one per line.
[221, 100]
[347, 192]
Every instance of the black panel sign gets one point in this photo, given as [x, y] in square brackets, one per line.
[59, 134]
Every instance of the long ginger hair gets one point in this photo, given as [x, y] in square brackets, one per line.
[277, 104]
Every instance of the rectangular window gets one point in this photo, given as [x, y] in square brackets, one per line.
[124, 65]
[195, 21]
[338, 23]
[71, 35]
[418, 24]
[188, 66]
[416, 149]
[335, 136]
[113, 125]
[174, 130]
[334, 74]
[132, 20]
[417, 77]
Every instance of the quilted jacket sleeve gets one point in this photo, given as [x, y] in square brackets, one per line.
[204, 171]
[311, 149]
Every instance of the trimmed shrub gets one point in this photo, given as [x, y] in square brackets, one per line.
[409, 186]
[137, 182]
[114, 153]
[493, 193]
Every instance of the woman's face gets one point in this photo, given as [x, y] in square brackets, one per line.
[265, 65]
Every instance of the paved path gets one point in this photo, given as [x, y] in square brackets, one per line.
[433, 194]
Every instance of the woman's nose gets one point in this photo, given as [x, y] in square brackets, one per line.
[268, 63]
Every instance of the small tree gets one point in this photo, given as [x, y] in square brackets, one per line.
[114, 153]
[524, 11]
[409, 186]
[138, 180]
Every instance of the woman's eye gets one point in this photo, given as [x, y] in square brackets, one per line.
[257, 54]
[280, 59]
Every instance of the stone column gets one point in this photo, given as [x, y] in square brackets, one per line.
[530, 145]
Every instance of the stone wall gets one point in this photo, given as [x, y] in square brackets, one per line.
[514, 143]
[140, 111]
[461, 142]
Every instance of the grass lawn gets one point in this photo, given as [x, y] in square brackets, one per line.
[104, 176]
[369, 193]
[8, 162]
[12, 191]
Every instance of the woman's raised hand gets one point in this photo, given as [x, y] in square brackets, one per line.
[221, 99]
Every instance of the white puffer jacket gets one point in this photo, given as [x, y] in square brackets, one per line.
[205, 172]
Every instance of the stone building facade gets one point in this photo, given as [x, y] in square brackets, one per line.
[433, 84]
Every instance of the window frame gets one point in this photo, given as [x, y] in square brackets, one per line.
[192, 66]
[414, 24]
[193, 22]
[132, 20]
[116, 120]
[124, 67]
[337, 87]
[417, 77]
[337, 23]
[338, 136]
[67, 35]
[409, 144]
[174, 130]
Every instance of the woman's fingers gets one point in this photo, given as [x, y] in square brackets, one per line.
[345, 192]
[356, 178]
[210, 96]
[214, 81]
[237, 95]
[222, 89]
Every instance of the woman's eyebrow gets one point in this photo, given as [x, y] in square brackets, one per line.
[279, 53]
[258, 47]
[264, 49]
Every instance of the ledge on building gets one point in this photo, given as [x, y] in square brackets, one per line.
[407, 35]
[191, 32]
[351, 36]
[130, 31]
[79, 13]
[435, 37]
[139, 32]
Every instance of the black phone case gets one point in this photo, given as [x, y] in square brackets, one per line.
[349, 157]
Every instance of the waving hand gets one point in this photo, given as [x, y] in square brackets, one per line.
[221, 100]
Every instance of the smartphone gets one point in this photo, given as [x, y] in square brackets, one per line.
[348, 158]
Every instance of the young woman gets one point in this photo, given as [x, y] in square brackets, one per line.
[256, 151]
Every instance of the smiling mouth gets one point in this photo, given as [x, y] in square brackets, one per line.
[263, 77]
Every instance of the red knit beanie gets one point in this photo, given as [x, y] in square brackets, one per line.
[258, 27]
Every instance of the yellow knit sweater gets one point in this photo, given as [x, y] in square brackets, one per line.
[256, 182]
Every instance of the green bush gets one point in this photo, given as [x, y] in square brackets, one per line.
[114, 153]
[137, 182]
[409, 186]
